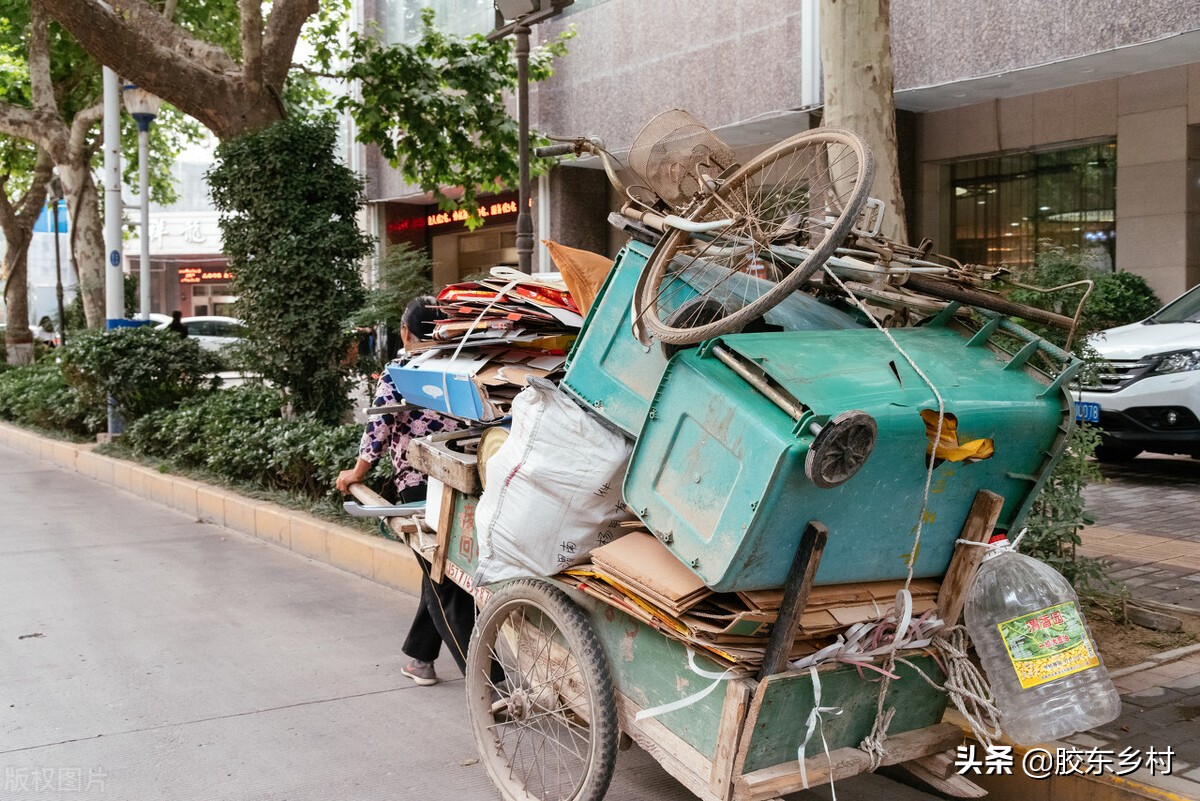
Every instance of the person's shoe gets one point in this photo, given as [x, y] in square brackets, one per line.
[420, 672]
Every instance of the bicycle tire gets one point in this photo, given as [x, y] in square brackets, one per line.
[548, 688]
[770, 199]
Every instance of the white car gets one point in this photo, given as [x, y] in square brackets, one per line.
[212, 333]
[1147, 397]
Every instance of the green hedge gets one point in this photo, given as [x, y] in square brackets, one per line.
[38, 395]
[239, 434]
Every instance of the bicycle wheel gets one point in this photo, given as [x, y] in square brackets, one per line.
[787, 211]
[540, 697]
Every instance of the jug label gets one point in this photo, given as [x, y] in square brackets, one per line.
[1048, 644]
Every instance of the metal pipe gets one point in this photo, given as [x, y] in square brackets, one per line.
[144, 191]
[794, 409]
[58, 287]
[114, 290]
[524, 219]
[114, 279]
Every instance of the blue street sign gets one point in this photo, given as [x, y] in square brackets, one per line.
[45, 224]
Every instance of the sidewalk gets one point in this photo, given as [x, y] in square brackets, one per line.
[1147, 525]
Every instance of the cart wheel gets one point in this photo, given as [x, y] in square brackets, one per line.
[540, 696]
[789, 209]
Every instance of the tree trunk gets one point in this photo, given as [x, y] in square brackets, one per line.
[18, 340]
[87, 239]
[856, 54]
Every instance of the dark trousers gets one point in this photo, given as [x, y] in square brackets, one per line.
[446, 615]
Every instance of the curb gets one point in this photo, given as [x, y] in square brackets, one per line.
[382, 561]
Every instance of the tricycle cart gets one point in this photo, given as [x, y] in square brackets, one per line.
[756, 409]
[556, 680]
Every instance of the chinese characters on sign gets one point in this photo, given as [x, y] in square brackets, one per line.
[460, 215]
[204, 275]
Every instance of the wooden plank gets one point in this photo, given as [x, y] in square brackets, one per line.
[775, 727]
[937, 771]
[733, 715]
[433, 457]
[980, 523]
[795, 596]
[437, 566]
[845, 762]
[686, 764]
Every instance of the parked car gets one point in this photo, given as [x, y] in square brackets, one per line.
[213, 333]
[1147, 396]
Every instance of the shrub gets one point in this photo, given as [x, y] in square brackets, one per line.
[239, 434]
[288, 220]
[38, 395]
[1118, 298]
[140, 368]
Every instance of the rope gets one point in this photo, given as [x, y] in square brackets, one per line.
[966, 686]
[873, 744]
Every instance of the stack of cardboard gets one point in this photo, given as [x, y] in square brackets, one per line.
[639, 575]
[492, 336]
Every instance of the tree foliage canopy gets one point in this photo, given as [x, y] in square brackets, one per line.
[288, 221]
[435, 108]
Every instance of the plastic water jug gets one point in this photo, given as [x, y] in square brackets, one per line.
[1046, 674]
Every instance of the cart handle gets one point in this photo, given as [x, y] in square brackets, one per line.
[369, 503]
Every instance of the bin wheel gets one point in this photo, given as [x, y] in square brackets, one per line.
[540, 696]
[788, 210]
[840, 449]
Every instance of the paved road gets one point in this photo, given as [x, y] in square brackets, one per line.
[144, 655]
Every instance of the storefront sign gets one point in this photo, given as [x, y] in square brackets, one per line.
[204, 275]
[460, 215]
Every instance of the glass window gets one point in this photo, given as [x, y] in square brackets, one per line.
[1005, 207]
[401, 19]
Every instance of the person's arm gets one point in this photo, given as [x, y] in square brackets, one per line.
[376, 438]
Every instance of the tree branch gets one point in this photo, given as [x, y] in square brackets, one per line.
[45, 130]
[83, 120]
[140, 44]
[283, 29]
[39, 61]
[31, 202]
[252, 43]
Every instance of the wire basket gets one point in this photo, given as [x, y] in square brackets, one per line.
[673, 152]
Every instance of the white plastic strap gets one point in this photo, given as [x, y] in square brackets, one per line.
[814, 721]
[694, 697]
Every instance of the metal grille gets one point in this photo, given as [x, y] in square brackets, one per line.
[1118, 374]
[673, 151]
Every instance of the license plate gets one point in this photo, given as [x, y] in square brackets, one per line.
[1087, 412]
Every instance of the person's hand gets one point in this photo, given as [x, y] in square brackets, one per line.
[355, 475]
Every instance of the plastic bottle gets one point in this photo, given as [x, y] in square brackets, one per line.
[1046, 675]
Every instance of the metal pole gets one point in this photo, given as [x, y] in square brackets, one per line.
[144, 191]
[114, 292]
[58, 287]
[114, 279]
[524, 218]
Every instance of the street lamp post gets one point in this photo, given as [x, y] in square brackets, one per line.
[523, 14]
[56, 196]
[143, 107]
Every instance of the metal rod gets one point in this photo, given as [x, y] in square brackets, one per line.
[144, 189]
[524, 218]
[794, 409]
[58, 287]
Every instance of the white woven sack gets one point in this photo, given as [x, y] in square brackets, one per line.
[553, 489]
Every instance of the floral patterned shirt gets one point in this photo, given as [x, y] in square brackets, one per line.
[392, 432]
